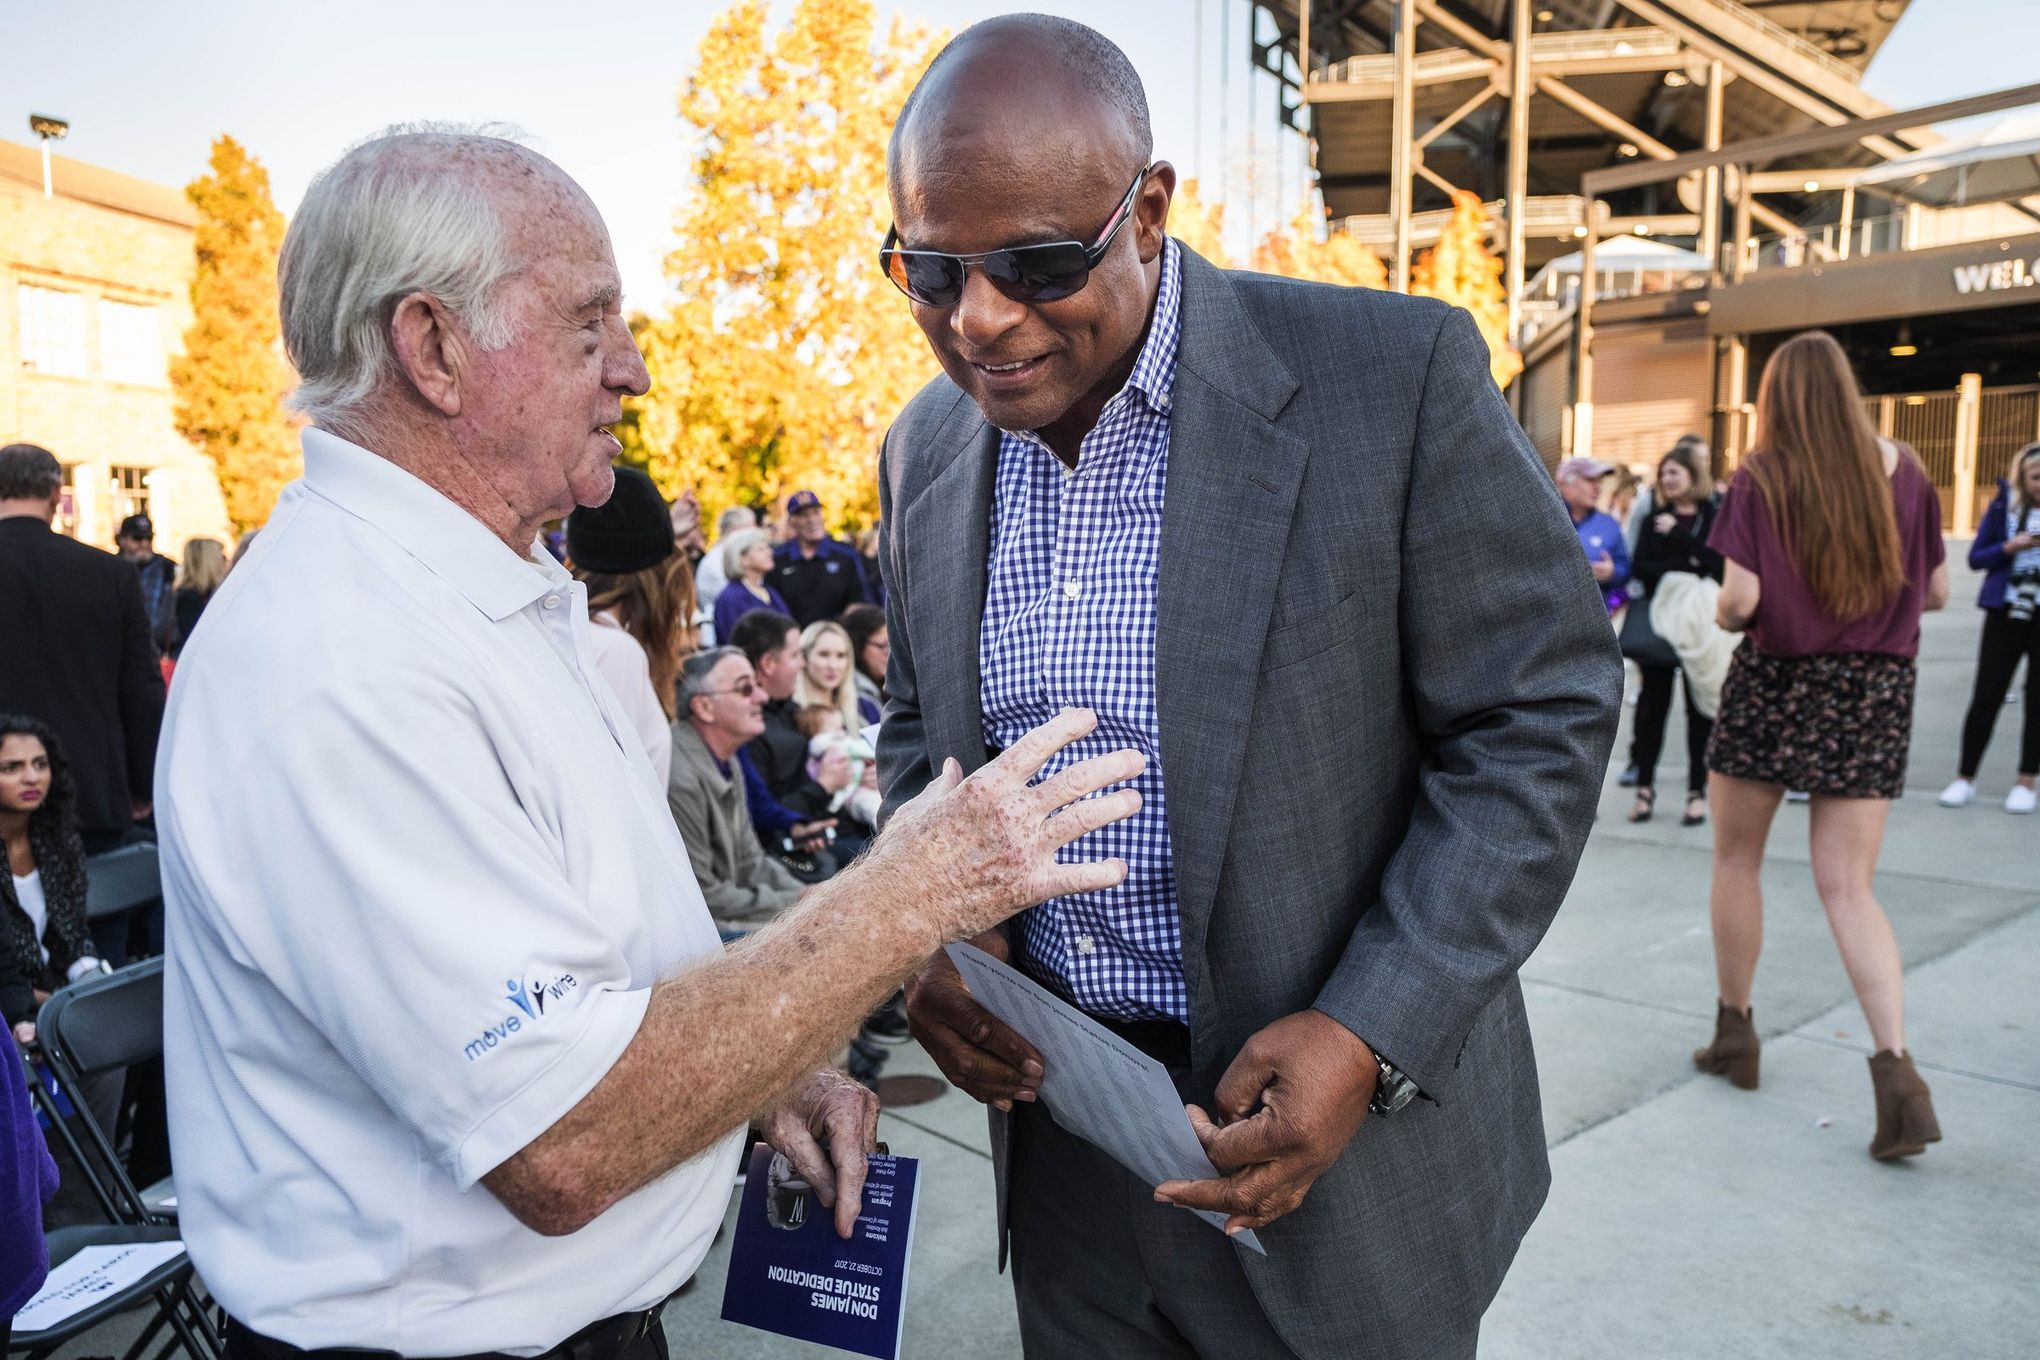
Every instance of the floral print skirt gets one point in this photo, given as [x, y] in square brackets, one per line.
[1835, 723]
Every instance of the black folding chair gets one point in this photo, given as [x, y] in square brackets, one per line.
[167, 1288]
[121, 880]
[105, 1024]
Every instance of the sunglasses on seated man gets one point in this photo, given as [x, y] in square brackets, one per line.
[1043, 273]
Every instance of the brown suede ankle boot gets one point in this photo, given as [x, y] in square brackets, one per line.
[1733, 1054]
[1905, 1108]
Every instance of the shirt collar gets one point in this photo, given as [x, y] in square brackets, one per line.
[1154, 371]
[445, 539]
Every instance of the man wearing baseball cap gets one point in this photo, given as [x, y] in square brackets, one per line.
[1579, 485]
[818, 576]
[136, 540]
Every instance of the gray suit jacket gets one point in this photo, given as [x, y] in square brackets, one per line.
[1388, 690]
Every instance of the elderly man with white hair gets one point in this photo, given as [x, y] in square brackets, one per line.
[457, 1062]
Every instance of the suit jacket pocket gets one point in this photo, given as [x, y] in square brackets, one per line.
[1306, 638]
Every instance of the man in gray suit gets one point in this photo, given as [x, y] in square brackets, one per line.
[1373, 745]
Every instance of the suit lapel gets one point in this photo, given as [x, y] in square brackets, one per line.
[1231, 491]
[948, 530]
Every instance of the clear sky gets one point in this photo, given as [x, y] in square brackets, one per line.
[147, 85]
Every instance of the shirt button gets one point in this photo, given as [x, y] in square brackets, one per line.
[1086, 945]
[1073, 589]
[552, 602]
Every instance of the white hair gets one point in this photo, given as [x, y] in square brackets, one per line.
[395, 215]
[735, 546]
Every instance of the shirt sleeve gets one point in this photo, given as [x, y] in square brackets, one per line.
[1735, 530]
[407, 897]
[1934, 549]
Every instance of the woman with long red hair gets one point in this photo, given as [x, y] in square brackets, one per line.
[1832, 541]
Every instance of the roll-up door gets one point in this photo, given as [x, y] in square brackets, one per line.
[1650, 387]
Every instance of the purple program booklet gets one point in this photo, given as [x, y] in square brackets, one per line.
[791, 1274]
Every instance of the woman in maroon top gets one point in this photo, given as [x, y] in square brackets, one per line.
[1832, 541]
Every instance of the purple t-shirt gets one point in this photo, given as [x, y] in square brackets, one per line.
[1790, 621]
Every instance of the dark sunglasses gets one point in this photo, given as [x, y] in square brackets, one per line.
[1043, 273]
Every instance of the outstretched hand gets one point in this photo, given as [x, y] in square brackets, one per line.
[1286, 1107]
[968, 853]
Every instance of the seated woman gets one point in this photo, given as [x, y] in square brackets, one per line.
[44, 943]
[747, 559]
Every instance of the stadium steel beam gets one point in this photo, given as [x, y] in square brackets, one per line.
[1710, 178]
[1454, 118]
[1816, 93]
[1586, 108]
[1519, 157]
[1402, 133]
[1764, 150]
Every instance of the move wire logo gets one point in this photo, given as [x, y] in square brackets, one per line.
[533, 999]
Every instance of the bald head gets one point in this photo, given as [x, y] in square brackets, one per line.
[1065, 86]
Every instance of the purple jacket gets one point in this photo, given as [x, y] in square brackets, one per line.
[27, 1180]
[1599, 534]
[1987, 553]
[735, 602]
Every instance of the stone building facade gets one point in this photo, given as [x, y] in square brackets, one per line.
[95, 296]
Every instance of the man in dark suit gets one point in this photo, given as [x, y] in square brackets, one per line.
[1374, 745]
[75, 638]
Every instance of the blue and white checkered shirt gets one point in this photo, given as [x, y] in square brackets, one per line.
[1069, 622]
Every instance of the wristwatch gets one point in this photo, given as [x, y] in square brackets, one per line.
[1393, 1091]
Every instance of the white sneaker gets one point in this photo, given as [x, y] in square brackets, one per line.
[1958, 794]
[2021, 799]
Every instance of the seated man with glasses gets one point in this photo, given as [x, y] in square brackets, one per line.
[722, 708]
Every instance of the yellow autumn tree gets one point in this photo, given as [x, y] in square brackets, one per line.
[1296, 252]
[1461, 270]
[1197, 224]
[230, 381]
[786, 352]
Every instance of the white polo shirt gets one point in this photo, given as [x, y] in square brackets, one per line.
[419, 882]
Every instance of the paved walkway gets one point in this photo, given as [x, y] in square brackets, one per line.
[1688, 1218]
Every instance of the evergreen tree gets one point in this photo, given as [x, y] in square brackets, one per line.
[230, 381]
